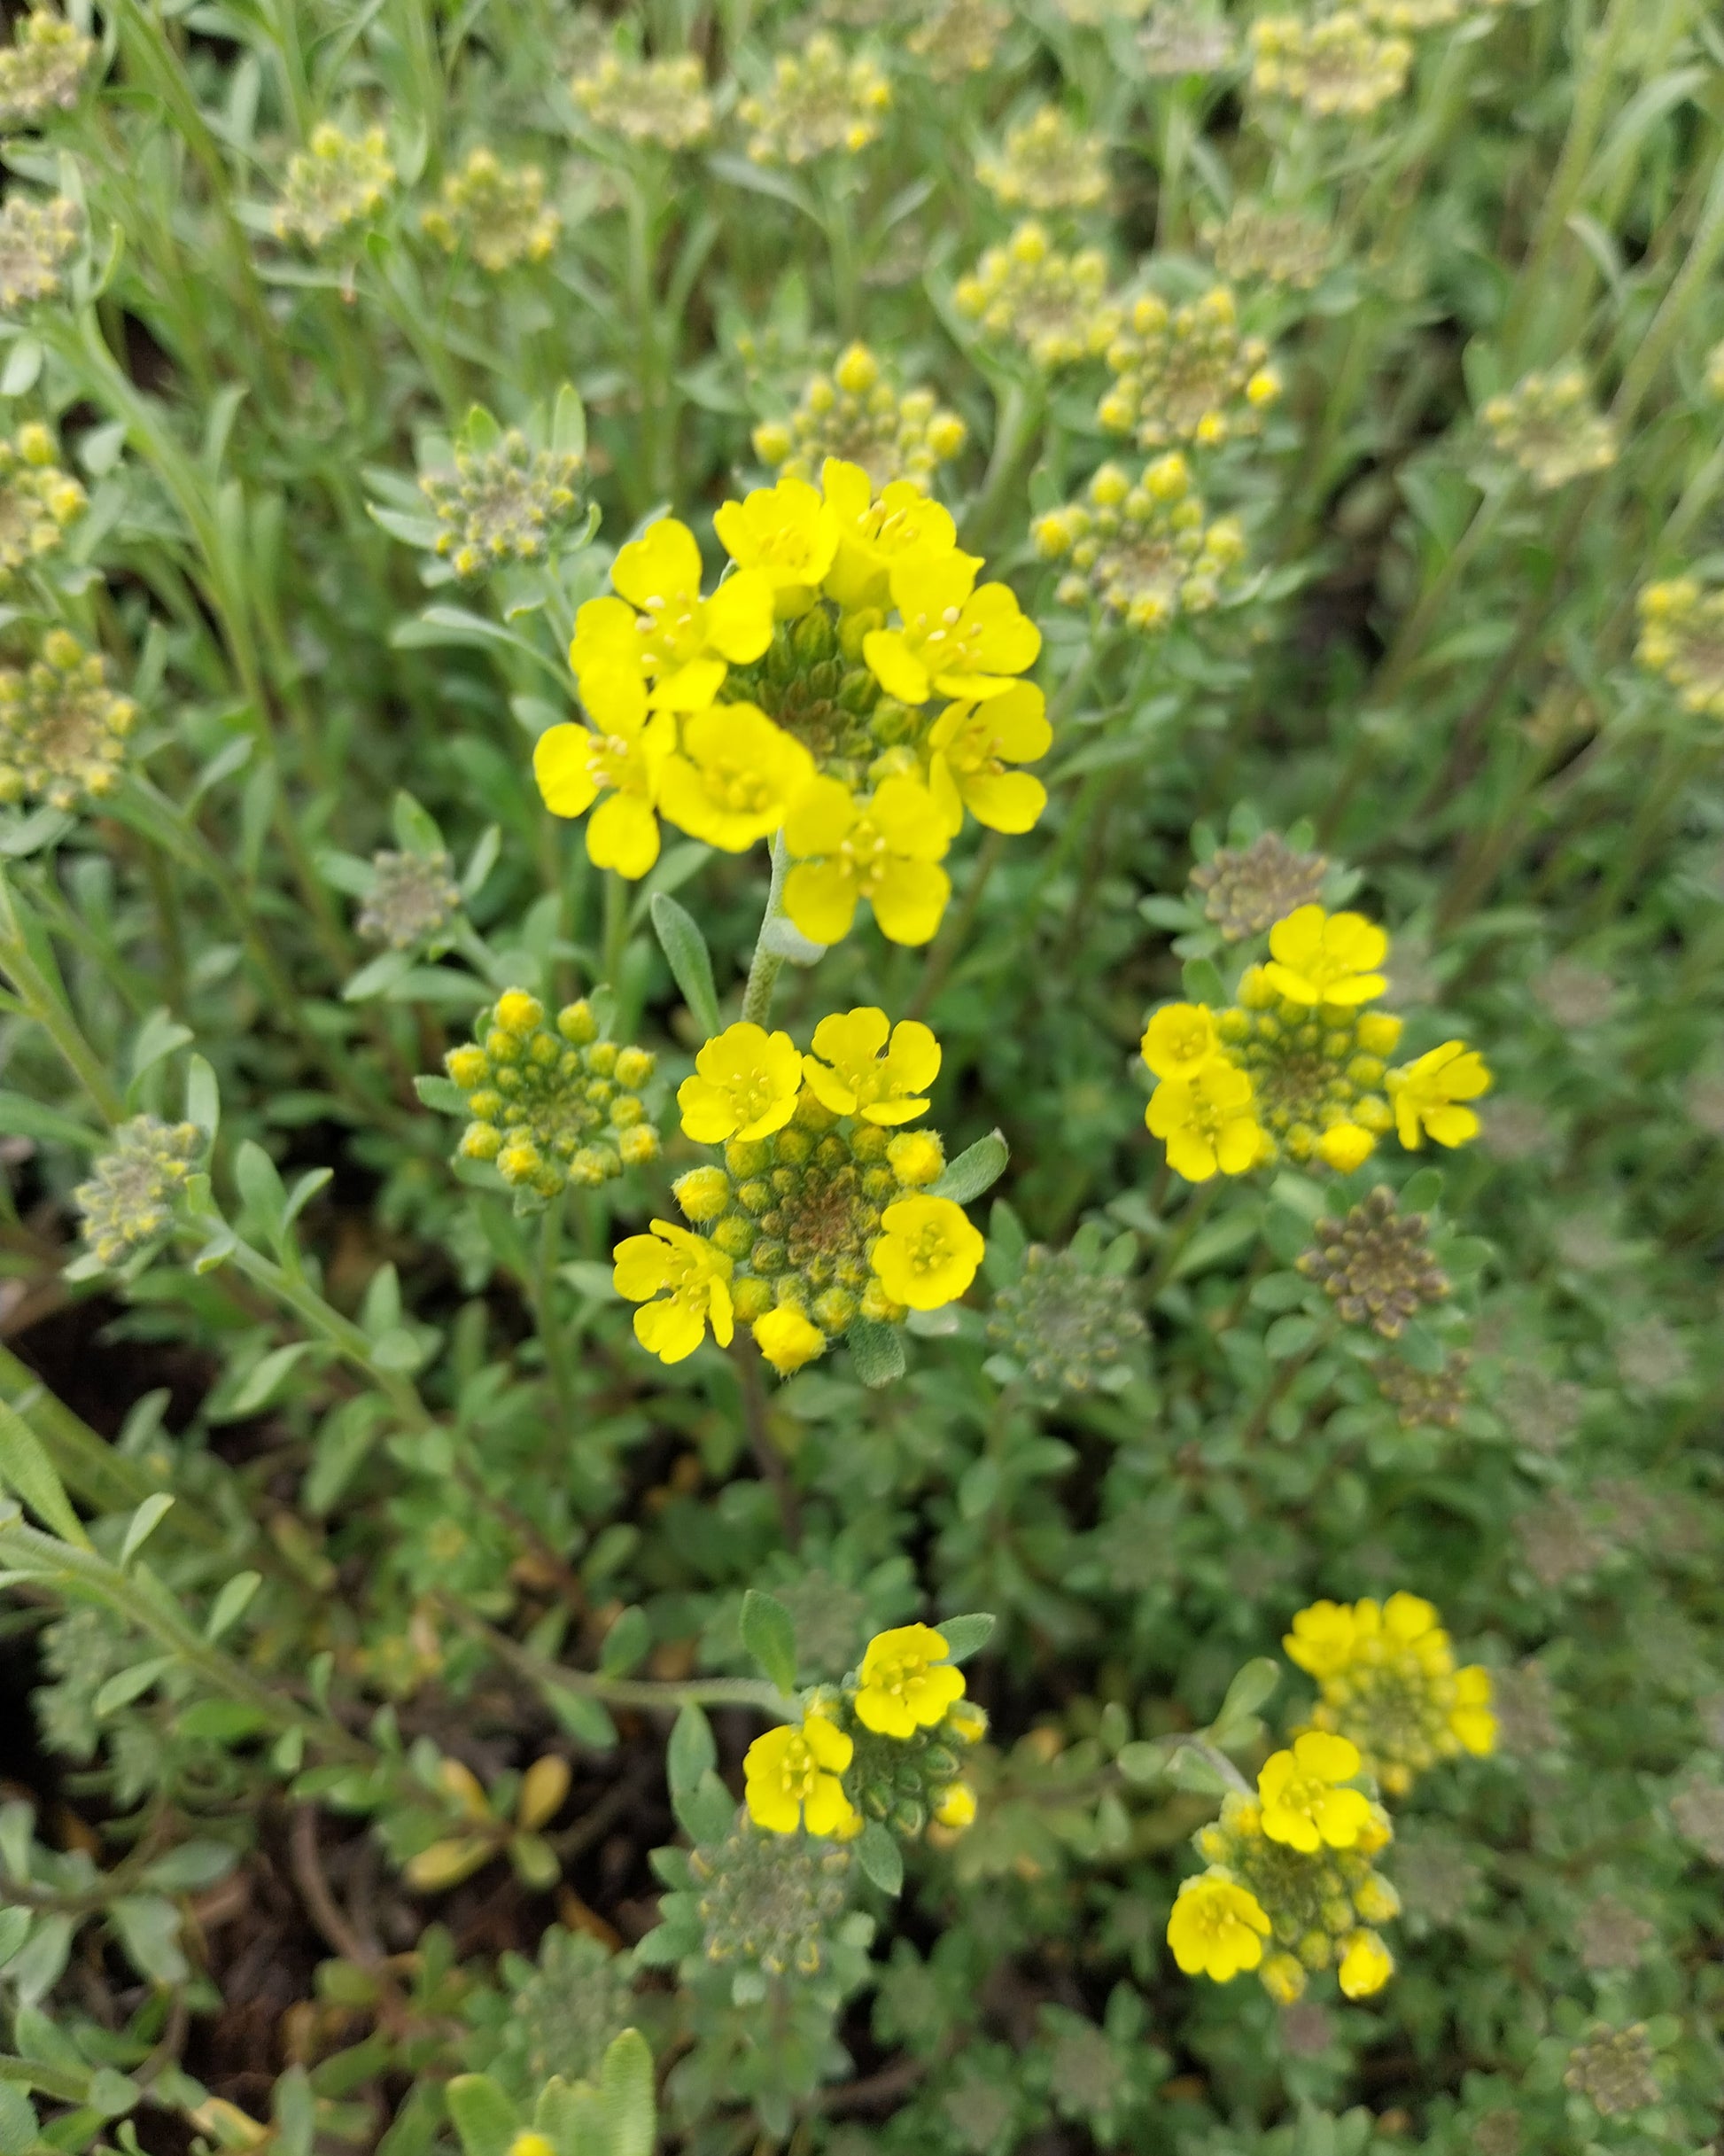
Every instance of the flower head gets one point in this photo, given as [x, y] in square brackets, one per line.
[496, 212]
[1184, 374]
[1069, 1321]
[745, 1086]
[412, 897]
[907, 1682]
[1052, 303]
[43, 67]
[1338, 65]
[1141, 549]
[1426, 1095]
[1304, 1803]
[660, 643]
[971, 746]
[735, 777]
[135, 1187]
[821, 100]
[1318, 957]
[791, 1779]
[1180, 1039]
[662, 100]
[1207, 1121]
[769, 1901]
[899, 528]
[787, 534]
[1217, 1928]
[1375, 1264]
[856, 416]
[62, 729]
[1547, 424]
[927, 1252]
[1248, 889]
[1386, 1681]
[37, 499]
[885, 849]
[1317, 1071]
[1255, 243]
[503, 503]
[863, 1074]
[1615, 2069]
[551, 1103]
[691, 1280]
[959, 37]
[1047, 164]
[335, 182]
[956, 639]
[620, 764]
[37, 238]
[1681, 637]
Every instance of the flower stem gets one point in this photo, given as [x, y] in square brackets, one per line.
[768, 965]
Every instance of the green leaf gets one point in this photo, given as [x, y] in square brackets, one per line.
[584, 1718]
[880, 1857]
[1221, 1239]
[19, 2123]
[1421, 1191]
[143, 1524]
[159, 1036]
[441, 1094]
[295, 2108]
[966, 1636]
[259, 1385]
[1200, 977]
[111, 2093]
[1246, 1693]
[1289, 1336]
[690, 961]
[28, 1473]
[770, 1636]
[691, 1751]
[149, 1928]
[625, 2091]
[128, 1684]
[416, 828]
[203, 1097]
[23, 1117]
[877, 1350]
[626, 1643]
[483, 2115]
[977, 1168]
[231, 1604]
[1141, 1762]
[262, 1190]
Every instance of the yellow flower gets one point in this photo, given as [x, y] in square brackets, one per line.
[745, 1086]
[790, 1779]
[788, 534]
[902, 527]
[1366, 1965]
[1180, 1039]
[955, 1807]
[1217, 1928]
[1470, 1717]
[1207, 1119]
[622, 760]
[961, 642]
[1424, 1095]
[927, 1252]
[1317, 957]
[885, 850]
[907, 1683]
[735, 777]
[972, 743]
[862, 1075]
[787, 1338]
[661, 644]
[1302, 1805]
[689, 1275]
[1323, 1638]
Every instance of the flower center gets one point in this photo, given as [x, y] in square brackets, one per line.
[671, 627]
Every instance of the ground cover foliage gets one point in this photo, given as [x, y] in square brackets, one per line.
[619, 618]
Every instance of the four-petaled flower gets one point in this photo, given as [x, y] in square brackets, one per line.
[745, 1086]
[972, 743]
[963, 643]
[661, 644]
[1424, 1094]
[901, 526]
[690, 1278]
[907, 1684]
[927, 1252]
[1366, 1965]
[1207, 1122]
[1180, 1039]
[790, 1780]
[864, 1075]
[788, 1339]
[886, 849]
[622, 758]
[1217, 1928]
[786, 533]
[1318, 957]
[734, 778]
[1303, 1802]
[1323, 1638]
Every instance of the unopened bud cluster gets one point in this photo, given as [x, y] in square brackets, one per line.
[412, 897]
[502, 504]
[1427, 1399]
[1615, 2069]
[1336, 66]
[771, 1900]
[1681, 637]
[1246, 890]
[335, 181]
[1548, 426]
[1375, 1264]
[812, 682]
[42, 68]
[961, 38]
[663, 101]
[1184, 374]
[1048, 164]
[1314, 1069]
[62, 729]
[1387, 1682]
[496, 213]
[1052, 303]
[1257, 244]
[1067, 1323]
[1142, 551]
[37, 499]
[551, 1103]
[819, 100]
[134, 1189]
[855, 414]
[1174, 42]
[36, 237]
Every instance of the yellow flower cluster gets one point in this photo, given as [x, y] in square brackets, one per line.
[819, 100]
[1273, 246]
[663, 101]
[335, 181]
[1338, 66]
[855, 415]
[1290, 1886]
[1142, 551]
[851, 685]
[498, 212]
[1297, 1066]
[37, 499]
[43, 67]
[1548, 426]
[501, 503]
[1185, 374]
[820, 1214]
[551, 1103]
[1048, 164]
[1053, 304]
[887, 1745]
[1386, 1681]
[35, 240]
[1681, 637]
[62, 729]
[961, 38]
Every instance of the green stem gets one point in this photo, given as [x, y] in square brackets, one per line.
[616, 929]
[766, 965]
[552, 1338]
[1403, 654]
[45, 1000]
[1017, 424]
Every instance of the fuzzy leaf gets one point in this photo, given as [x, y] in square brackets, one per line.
[966, 1636]
[880, 1857]
[977, 1168]
[690, 961]
[877, 1350]
[625, 2089]
[770, 1636]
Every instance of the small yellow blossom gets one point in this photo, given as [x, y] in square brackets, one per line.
[1048, 164]
[819, 100]
[1425, 1095]
[1303, 1803]
[964, 643]
[735, 777]
[663, 101]
[787, 1338]
[886, 849]
[790, 1780]
[901, 527]
[745, 1086]
[1366, 1965]
[857, 416]
[1681, 638]
[1054, 305]
[927, 1252]
[1180, 1039]
[862, 1075]
[1318, 957]
[907, 1684]
[690, 1277]
[789, 533]
[1323, 1638]
[955, 1807]
[970, 746]
[1470, 1717]
[1386, 1680]
[1338, 65]
[622, 760]
[1217, 1928]
[498, 212]
[1207, 1122]
[660, 643]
